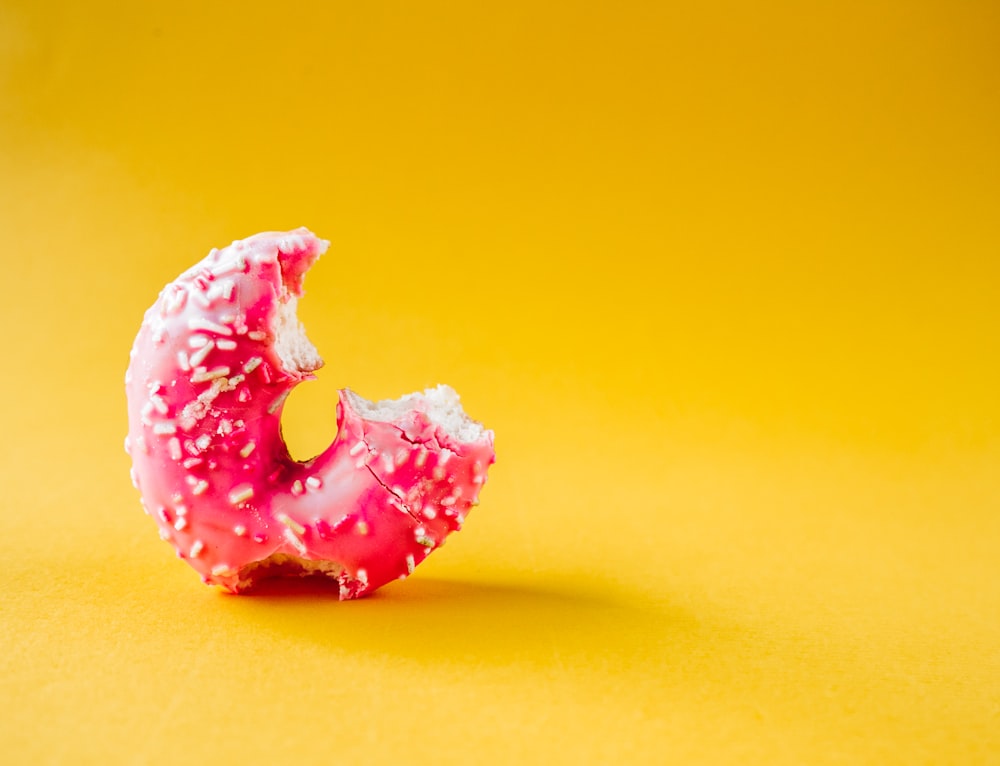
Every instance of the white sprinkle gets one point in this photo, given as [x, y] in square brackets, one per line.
[199, 341]
[162, 429]
[214, 292]
[128, 446]
[132, 475]
[276, 404]
[196, 548]
[444, 457]
[291, 523]
[257, 335]
[227, 289]
[180, 524]
[448, 501]
[297, 487]
[201, 323]
[140, 442]
[199, 488]
[438, 473]
[429, 513]
[147, 409]
[410, 563]
[228, 268]
[225, 427]
[225, 345]
[362, 577]
[236, 380]
[176, 301]
[183, 362]
[401, 456]
[252, 364]
[314, 482]
[199, 356]
[201, 375]
[387, 464]
[203, 442]
[158, 404]
[248, 448]
[239, 530]
[356, 449]
[222, 570]
[362, 461]
[240, 494]
[164, 534]
[191, 462]
[296, 542]
[174, 446]
[199, 408]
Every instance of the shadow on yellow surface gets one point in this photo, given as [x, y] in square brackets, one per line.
[479, 622]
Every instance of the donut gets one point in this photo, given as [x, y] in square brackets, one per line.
[215, 359]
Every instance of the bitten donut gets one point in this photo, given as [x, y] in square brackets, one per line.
[214, 360]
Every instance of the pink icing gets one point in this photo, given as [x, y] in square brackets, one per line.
[206, 387]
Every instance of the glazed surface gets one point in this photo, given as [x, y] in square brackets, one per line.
[208, 376]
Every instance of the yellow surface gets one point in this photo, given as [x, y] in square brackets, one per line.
[725, 281]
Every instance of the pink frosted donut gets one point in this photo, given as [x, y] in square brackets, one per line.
[214, 360]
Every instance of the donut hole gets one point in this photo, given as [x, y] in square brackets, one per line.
[309, 420]
[305, 435]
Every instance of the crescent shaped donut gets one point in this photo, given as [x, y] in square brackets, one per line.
[211, 367]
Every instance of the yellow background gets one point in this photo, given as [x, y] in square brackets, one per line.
[723, 277]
